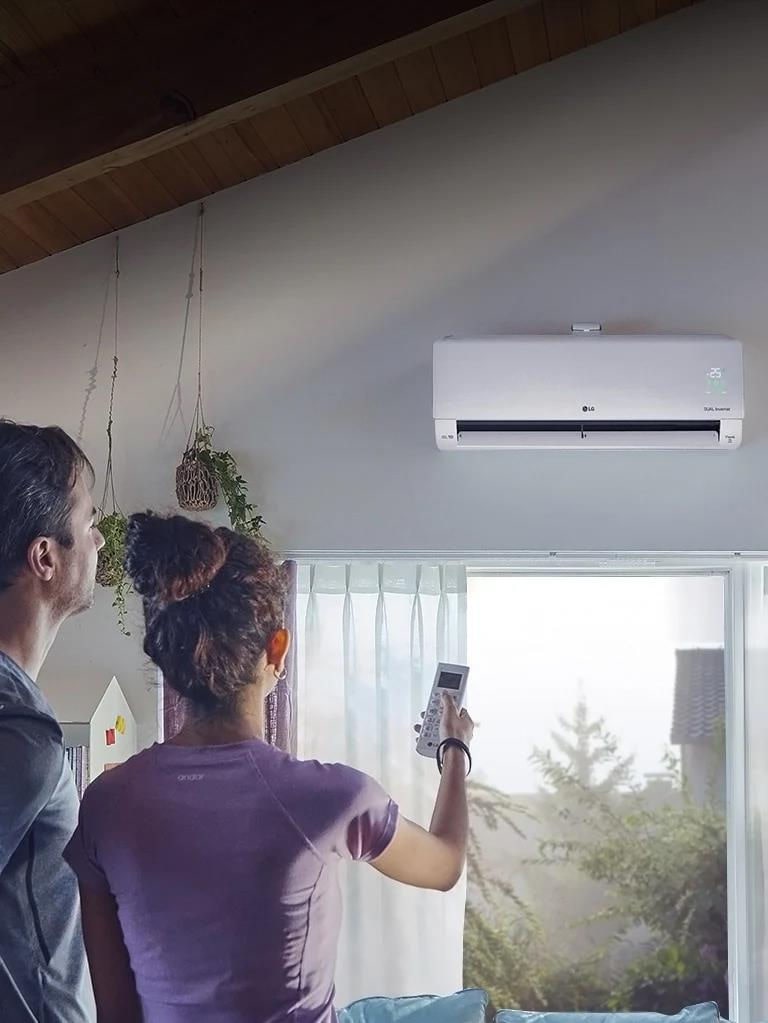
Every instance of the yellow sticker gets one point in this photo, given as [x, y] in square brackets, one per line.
[120, 724]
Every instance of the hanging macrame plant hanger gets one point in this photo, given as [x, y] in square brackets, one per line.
[196, 485]
[110, 567]
[113, 525]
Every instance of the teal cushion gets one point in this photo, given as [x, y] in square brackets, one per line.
[465, 1007]
[706, 1013]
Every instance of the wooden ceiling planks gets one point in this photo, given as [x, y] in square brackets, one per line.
[50, 23]
[222, 165]
[421, 80]
[528, 37]
[280, 136]
[102, 22]
[6, 262]
[633, 13]
[507, 42]
[602, 19]
[456, 66]
[46, 230]
[245, 150]
[385, 94]
[492, 52]
[80, 217]
[670, 6]
[21, 47]
[345, 105]
[313, 125]
[194, 159]
[565, 27]
[110, 201]
[222, 66]
[144, 188]
[178, 176]
[19, 245]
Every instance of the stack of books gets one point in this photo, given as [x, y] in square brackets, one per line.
[77, 757]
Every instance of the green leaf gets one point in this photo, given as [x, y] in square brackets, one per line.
[111, 564]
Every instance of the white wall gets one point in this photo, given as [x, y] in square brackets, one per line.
[624, 184]
[112, 704]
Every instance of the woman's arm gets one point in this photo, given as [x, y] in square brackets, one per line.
[435, 858]
[114, 984]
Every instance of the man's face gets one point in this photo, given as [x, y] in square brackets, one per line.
[77, 564]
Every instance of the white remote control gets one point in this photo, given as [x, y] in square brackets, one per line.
[450, 679]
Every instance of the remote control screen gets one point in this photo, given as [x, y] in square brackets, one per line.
[449, 680]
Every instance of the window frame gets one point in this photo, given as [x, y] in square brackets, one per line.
[731, 572]
[732, 567]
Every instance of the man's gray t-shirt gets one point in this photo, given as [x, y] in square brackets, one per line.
[43, 973]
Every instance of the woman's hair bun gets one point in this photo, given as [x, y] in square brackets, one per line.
[172, 558]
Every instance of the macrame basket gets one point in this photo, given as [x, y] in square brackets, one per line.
[196, 486]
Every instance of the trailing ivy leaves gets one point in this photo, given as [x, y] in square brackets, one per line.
[234, 488]
[110, 570]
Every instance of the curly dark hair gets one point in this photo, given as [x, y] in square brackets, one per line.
[39, 467]
[212, 600]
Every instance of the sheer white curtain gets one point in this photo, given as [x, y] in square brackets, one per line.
[748, 793]
[370, 637]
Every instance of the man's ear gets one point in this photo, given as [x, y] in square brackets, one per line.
[41, 558]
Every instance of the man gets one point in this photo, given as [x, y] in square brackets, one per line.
[48, 548]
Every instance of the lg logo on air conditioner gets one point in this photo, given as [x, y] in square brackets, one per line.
[587, 408]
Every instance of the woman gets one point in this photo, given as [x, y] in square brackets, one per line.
[207, 864]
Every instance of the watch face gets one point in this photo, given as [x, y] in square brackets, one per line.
[449, 680]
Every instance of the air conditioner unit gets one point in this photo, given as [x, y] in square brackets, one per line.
[590, 392]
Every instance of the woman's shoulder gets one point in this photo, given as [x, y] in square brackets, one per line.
[112, 783]
[115, 776]
[311, 769]
[334, 783]
[349, 811]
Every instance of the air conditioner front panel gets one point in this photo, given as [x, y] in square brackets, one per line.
[606, 378]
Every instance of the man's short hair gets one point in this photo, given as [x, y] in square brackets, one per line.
[39, 467]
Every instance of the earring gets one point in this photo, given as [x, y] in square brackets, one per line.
[282, 676]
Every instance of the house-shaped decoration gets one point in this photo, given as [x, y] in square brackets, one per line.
[104, 725]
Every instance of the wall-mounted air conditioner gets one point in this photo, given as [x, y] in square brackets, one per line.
[588, 392]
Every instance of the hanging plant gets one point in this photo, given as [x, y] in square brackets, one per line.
[223, 467]
[204, 473]
[111, 567]
[112, 523]
[196, 487]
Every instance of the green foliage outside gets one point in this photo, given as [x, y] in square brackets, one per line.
[652, 862]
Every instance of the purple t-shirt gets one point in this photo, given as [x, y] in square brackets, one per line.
[223, 861]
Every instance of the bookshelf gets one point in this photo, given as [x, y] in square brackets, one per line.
[103, 738]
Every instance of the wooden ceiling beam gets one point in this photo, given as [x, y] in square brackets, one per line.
[73, 124]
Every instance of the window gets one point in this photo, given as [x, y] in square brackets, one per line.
[598, 873]
[620, 792]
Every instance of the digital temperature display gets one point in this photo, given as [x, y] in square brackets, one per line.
[449, 680]
[716, 383]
